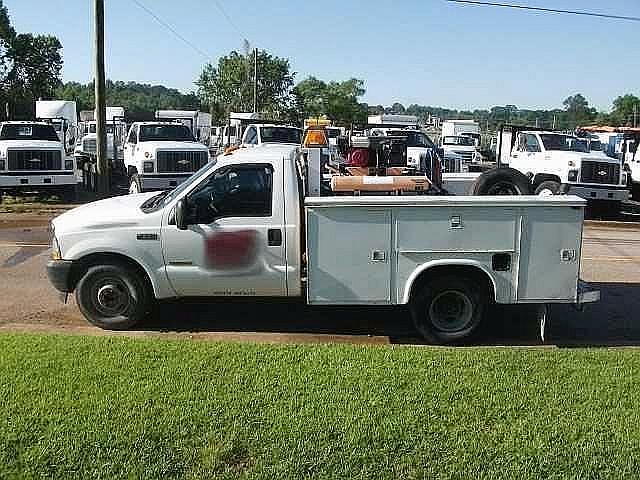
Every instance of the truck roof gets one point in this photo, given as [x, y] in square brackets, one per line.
[157, 122]
[258, 155]
[25, 122]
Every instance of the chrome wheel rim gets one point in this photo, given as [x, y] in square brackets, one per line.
[111, 298]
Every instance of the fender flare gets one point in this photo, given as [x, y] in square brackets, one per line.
[453, 262]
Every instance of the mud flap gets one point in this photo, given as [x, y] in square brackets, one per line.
[543, 320]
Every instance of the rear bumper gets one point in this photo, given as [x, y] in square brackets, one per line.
[596, 192]
[59, 273]
[162, 182]
[40, 179]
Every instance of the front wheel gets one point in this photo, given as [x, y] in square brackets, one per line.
[548, 188]
[113, 297]
[448, 309]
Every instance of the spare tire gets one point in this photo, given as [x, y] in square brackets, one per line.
[502, 181]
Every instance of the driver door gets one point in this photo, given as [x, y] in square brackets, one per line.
[234, 245]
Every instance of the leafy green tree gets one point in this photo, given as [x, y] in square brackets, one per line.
[228, 87]
[624, 109]
[337, 100]
[578, 111]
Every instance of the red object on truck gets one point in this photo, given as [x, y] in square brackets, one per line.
[358, 157]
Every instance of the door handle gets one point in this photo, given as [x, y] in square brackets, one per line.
[274, 237]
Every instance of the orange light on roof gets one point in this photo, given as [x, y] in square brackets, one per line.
[315, 138]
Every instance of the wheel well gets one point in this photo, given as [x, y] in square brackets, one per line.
[545, 177]
[477, 274]
[81, 266]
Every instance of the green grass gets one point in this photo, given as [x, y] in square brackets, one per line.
[75, 407]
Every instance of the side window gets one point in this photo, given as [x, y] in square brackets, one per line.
[133, 135]
[252, 137]
[522, 143]
[236, 191]
[532, 143]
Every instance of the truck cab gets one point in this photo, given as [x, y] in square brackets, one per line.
[161, 155]
[551, 159]
[259, 135]
[86, 146]
[32, 157]
[463, 146]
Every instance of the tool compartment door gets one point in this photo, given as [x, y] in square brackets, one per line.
[349, 255]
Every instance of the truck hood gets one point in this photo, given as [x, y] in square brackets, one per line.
[30, 144]
[113, 212]
[181, 146]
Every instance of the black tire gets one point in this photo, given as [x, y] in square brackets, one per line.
[548, 187]
[134, 184]
[502, 181]
[113, 297]
[448, 309]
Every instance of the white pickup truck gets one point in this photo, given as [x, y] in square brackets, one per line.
[241, 227]
[161, 155]
[552, 160]
[32, 157]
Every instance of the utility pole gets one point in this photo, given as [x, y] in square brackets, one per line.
[635, 115]
[101, 130]
[255, 80]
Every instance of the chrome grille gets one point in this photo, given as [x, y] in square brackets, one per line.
[89, 145]
[600, 172]
[466, 156]
[181, 161]
[34, 160]
[452, 165]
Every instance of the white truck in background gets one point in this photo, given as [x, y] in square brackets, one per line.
[244, 226]
[461, 138]
[265, 134]
[161, 155]
[198, 122]
[556, 162]
[62, 114]
[116, 132]
[32, 157]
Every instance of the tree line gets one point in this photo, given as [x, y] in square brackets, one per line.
[31, 65]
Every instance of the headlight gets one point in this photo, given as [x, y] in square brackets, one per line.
[68, 164]
[573, 175]
[571, 163]
[148, 167]
[148, 155]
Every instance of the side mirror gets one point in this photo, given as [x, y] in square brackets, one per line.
[181, 214]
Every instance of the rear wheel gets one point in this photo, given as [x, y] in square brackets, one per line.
[113, 297]
[502, 181]
[448, 309]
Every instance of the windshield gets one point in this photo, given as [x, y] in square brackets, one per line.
[28, 132]
[564, 143]
[164, 198]
[462, 141]
[178, 133]
[596, 146]
[414, 139]
[281, 135]
[92, 128]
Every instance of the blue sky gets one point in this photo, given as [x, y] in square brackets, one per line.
[413, 51]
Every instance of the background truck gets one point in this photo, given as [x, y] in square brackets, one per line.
[198, 122]
[32, 157]
[257, 134]
[245, 227]
[116, 132]
[62, 114]
[161, 155]
[555, 162]
[462, 128]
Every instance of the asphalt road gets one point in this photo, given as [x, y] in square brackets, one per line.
[611, 260]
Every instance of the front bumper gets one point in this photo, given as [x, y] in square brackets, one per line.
[59, 273]
[161, 182]
[39, 179]
[597, 192]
